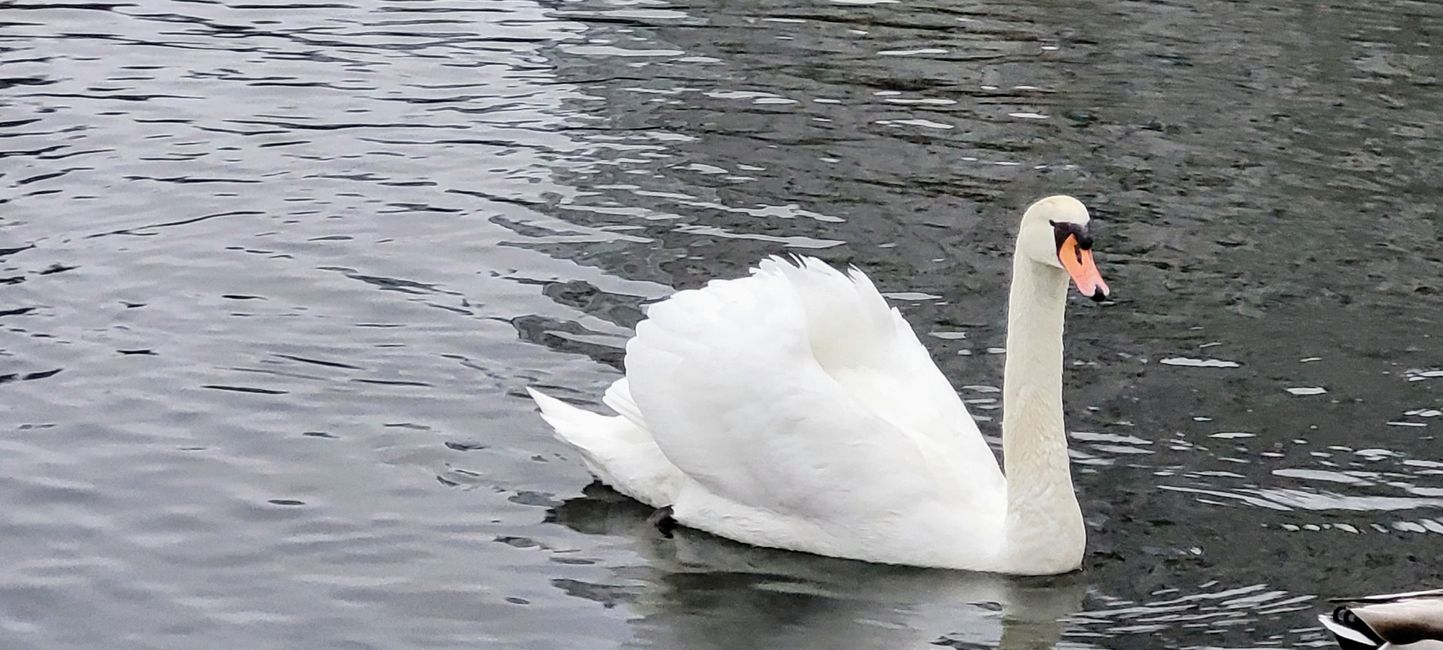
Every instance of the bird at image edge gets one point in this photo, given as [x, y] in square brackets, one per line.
[794, 409]
[1408, 621]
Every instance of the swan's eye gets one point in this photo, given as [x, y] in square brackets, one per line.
[1061, 231]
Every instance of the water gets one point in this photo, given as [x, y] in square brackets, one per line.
[273, 276]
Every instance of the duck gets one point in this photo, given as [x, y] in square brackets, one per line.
[793, 408]
[1412, 620]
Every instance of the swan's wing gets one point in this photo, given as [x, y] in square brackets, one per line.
[797, 390]
[874, 353]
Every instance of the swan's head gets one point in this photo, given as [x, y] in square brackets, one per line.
[1054, 233]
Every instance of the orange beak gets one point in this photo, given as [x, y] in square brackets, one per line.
[1079, 265]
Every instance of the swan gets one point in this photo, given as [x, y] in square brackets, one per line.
[1410, 620]
[794, 409]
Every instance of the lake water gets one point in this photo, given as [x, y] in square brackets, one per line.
[273, 275]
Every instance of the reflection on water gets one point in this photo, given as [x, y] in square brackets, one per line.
[698, 591]
[273, 275]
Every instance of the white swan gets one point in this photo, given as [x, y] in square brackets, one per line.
[793, 409]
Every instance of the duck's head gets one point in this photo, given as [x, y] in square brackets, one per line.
[1054, 233]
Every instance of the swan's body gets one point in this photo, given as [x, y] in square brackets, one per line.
[793, 409]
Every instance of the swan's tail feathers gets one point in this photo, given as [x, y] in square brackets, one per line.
[576, 427]
[618, 398]
[617, 450]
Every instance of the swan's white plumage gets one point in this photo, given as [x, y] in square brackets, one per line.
[616, 449]
[792, 408]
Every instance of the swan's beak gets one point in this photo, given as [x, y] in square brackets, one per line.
[1078, 262]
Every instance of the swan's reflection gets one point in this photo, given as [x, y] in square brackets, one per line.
[700, 591]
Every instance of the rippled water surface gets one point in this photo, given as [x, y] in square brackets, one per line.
[274, 274]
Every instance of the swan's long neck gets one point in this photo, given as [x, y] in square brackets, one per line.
[1044, 522]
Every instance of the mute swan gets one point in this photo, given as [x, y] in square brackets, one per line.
[793, 409]
[1412, 620]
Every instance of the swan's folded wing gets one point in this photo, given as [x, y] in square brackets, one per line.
[793, 390]
[876, 358]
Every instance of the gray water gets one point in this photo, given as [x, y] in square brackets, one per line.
[274, 274]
